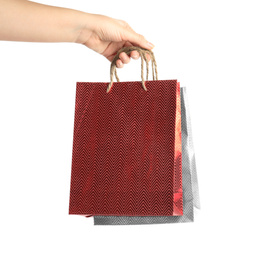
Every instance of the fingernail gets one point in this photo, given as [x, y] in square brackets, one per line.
[151, 45]
[135, 56]
[120, 64]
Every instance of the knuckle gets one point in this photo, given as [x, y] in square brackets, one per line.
[124, 23]
[141, 37]
[124, 57]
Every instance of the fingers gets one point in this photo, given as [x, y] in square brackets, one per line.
[137, 39]
[125, 58]
[135, 55]
[119, 64]
[128, 34]
[128, 37]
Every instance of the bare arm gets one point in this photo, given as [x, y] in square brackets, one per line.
[22, 20]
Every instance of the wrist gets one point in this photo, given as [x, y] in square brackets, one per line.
[83, 28]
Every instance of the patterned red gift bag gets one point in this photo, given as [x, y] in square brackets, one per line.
[189, 180]
[126, 158]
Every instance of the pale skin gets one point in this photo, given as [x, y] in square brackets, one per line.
[22, 20]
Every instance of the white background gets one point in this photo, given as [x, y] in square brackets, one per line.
[216, 50]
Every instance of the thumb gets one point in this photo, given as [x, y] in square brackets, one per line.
[137, 39]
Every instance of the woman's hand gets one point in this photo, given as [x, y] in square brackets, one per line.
[106, 36]
[27, 21]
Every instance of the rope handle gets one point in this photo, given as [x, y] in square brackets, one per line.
[142, 52]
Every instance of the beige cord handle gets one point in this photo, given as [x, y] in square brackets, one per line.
[142, 53]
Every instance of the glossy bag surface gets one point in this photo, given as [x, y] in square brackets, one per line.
[126, 157]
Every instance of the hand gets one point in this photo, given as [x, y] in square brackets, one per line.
[100, 33]
[106, 36]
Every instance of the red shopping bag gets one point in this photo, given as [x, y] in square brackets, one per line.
[126, 156]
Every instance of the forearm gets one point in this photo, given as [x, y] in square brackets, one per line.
[22, 20]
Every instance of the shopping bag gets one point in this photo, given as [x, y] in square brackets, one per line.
[126, 158]
[189, 181]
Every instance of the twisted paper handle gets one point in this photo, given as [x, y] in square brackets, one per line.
[142, 53]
